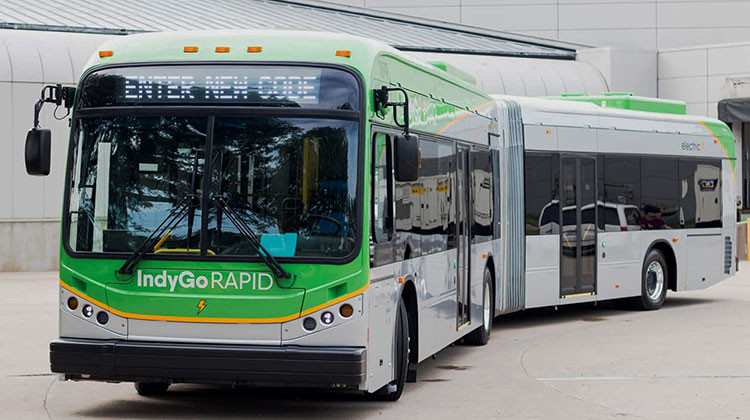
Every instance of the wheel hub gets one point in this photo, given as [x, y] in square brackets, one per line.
[654, 280]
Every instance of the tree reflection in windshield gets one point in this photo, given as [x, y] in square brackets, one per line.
[128, 173]
[292, 180]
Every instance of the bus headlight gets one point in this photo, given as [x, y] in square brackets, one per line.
[87, 311]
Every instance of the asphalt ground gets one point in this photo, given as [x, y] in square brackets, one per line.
[688, 360]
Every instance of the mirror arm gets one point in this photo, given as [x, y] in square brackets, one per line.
[55, 94]
[381, 101]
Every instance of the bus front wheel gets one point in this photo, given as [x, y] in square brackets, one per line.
[393, 390]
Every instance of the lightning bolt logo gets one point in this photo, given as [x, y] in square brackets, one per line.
[201, 306]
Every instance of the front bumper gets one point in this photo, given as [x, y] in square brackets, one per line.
[127, 361]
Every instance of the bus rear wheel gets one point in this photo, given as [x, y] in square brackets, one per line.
[653, 282]
[393, 390]
[150, 389]
[481, 335]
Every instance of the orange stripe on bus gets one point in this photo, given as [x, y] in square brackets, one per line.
[208, 319]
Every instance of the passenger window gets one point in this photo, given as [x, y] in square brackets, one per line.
[660, 208]
[435, 199]
[381, 181]
[700, 193]
[482, 194]
[622, 193]
[542, 175]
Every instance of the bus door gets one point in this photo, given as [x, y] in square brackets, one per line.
[463, 215]
[578, 233]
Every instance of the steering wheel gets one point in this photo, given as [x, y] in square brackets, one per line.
[338, 224]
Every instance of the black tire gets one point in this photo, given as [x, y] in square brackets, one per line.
[150, 389]
[481, 335]
[653, 290]
[387, 393]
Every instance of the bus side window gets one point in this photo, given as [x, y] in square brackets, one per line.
[482, 195]
[382, 226]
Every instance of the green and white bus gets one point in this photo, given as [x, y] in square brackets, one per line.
[308, 209]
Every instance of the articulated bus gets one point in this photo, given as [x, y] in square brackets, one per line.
[282, 208]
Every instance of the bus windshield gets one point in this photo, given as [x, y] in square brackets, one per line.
[292, 180]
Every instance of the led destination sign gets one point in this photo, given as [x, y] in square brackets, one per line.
[221, 84]
[218, 85]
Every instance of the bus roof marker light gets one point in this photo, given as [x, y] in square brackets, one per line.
[255, 49]
[343, 53]
[222, 49]
[190, 49]
[105, 53]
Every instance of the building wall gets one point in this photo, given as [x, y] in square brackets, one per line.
[643, 24]
[704, 75]
[30, 206]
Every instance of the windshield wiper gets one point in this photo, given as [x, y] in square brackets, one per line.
[160, 234]
[186, 207]
[247, 232]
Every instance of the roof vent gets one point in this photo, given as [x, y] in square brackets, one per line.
[626, 100]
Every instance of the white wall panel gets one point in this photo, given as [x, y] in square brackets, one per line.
[731, 59]
[607, 16]
[683, 63]
[5, 69]
[6, 151]
[688, 89]
[621, 38]
[28, 192]
[702, 14]
[511, 17]
[56, 66]
[24, 59]
[717, 88]
[682, 37]
[697, 108]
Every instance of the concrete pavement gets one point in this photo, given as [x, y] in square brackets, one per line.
[689, 360]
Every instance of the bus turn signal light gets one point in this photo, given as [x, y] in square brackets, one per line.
[343, 53]
[105, 53]
[192, 49]
[254, 49]
[346, 310]
[222, 49]
[72, 303]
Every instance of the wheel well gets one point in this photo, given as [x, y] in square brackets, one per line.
[668, 253]
[409, 295]
[491, 267]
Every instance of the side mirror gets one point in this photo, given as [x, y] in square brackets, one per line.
[38, 151]
[406, 158]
